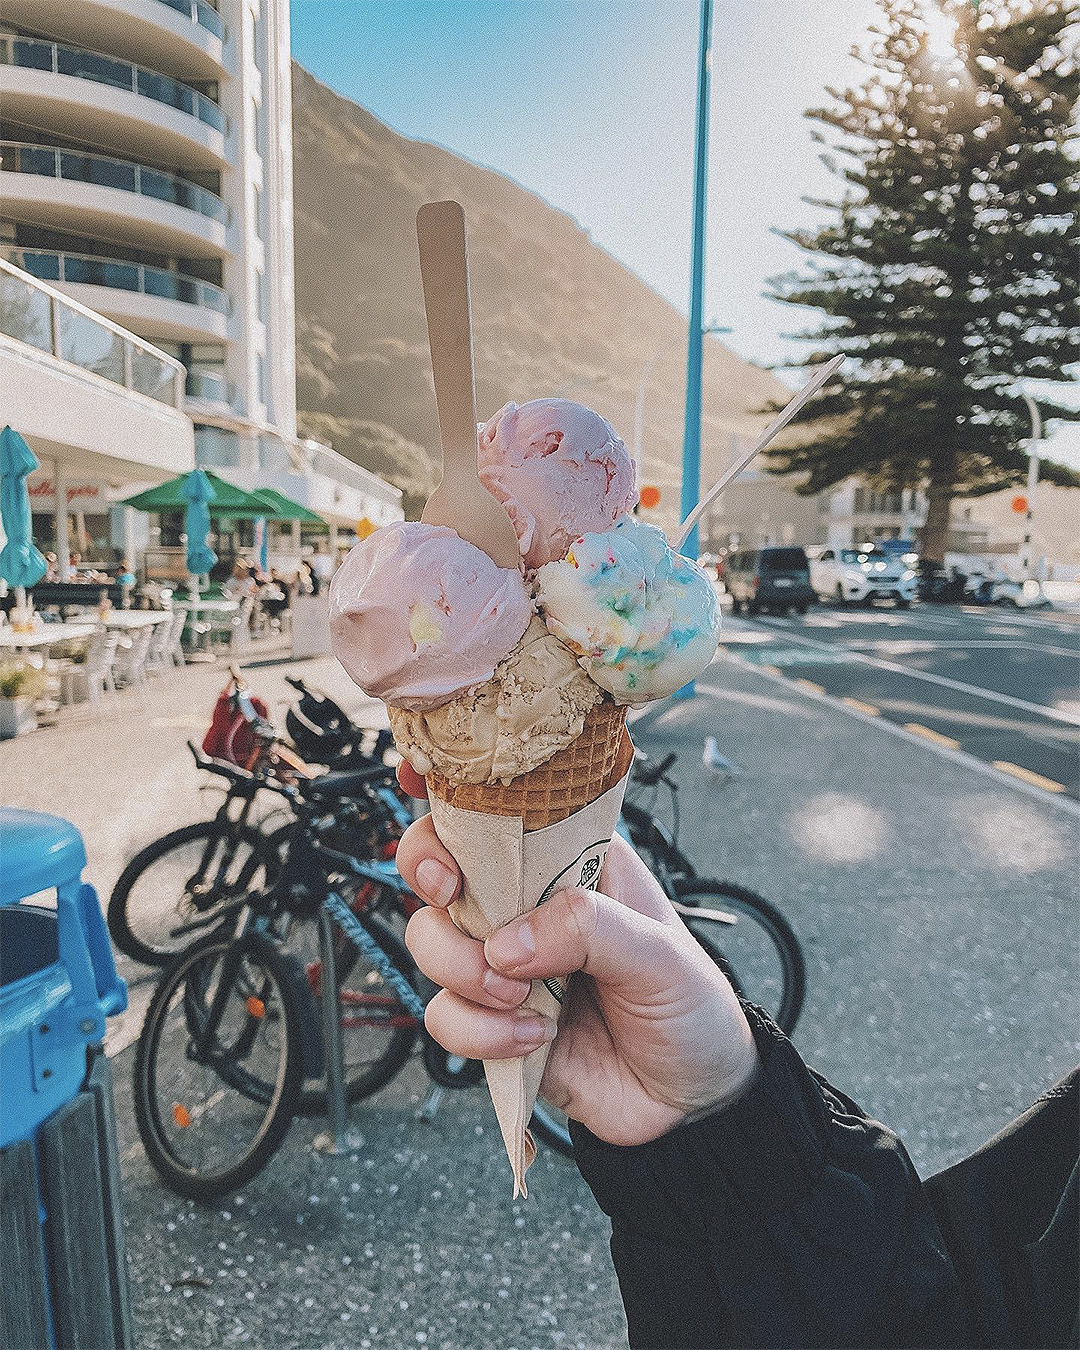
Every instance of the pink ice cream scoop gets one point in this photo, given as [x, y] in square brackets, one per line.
[417, 614]
[560, 470]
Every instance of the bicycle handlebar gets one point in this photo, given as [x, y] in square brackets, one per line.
[651, 774]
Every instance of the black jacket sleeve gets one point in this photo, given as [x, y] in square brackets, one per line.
[787, 1219]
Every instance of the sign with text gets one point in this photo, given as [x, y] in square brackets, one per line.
[81, 494]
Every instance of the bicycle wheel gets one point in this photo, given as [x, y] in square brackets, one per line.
[171, 893]
[752, 943]
[553, 1127]
[378, 1031]
[223, 1016]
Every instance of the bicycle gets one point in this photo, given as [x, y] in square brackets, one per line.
[231, 1034]
[205, 867]
[745, 934]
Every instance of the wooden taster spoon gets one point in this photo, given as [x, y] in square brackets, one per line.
[460, 501]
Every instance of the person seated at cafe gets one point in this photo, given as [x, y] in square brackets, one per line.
[52, 568]
[124, 575]
[242, 583]
[274, 596]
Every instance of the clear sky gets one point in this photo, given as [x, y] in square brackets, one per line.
[590, 103]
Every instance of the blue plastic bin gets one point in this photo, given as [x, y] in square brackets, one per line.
[61, 1222]
[58, 981]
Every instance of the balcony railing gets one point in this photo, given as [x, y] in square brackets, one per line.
[81, 269]
[43, 318]
[104, 171]
[60, 59]
[210, 386]
[198, 12]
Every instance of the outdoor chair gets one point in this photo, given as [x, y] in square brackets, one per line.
[159, 660]
[130, 663]
[174, 647]
[94, 674]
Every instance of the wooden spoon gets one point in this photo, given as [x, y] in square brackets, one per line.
[460, 501]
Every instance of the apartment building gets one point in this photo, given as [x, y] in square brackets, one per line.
[146, 172]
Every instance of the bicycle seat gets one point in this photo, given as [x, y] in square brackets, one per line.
[344, 782]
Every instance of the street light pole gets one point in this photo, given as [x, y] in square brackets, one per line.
[691, 464]
[643, 384]
[1032, 482]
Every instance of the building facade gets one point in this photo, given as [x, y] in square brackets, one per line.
[146, 171]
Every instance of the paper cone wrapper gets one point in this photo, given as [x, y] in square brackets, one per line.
[509, 865]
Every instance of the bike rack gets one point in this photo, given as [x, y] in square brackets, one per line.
[335, 1067]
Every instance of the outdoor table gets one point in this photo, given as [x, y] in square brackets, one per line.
[46, 635]
[209, 606]
[129, 619]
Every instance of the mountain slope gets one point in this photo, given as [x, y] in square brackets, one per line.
[553, 313]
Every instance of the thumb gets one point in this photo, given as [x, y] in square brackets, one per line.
[584, 930]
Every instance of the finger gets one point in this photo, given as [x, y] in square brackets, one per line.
[584, 930]
[456, 961]
[626, 878]
[427, 865]
[411, 782]
[482, 1033]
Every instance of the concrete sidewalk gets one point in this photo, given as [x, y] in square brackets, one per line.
[936, 908]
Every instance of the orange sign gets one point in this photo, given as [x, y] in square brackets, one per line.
[364, 527]
[650, 496]
[1019, 504]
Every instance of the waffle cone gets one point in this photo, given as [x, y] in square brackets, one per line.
[568, 781]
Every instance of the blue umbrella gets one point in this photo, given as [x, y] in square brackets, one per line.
[198, 492]
[262, 541]
[20, 562]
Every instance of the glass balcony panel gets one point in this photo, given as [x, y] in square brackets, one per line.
[213, 298]
[151, 376]
[92, 66]
[91, 345]
[99, 170]
[163, 186]
[182, 6]
[44, 266]
[165, 284]
[208, 384]
[31, 159]
[274, 455]
[28, 53]
[208, 18]
[25, 313]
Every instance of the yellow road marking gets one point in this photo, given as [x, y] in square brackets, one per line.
[809, 684]
[862, 707]
[1027, 776]
[917, 729]
[771, 670]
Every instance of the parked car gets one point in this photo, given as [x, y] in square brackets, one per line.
[770, 579]
[862, 575]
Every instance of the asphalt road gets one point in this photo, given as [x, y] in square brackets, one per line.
[1001, 687]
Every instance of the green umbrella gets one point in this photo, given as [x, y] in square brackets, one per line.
[228, 500]
[284, 508]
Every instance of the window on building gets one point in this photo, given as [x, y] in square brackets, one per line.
[860, 501]
[260, 295]
[258, 213]
[260, 378]
[257, 129]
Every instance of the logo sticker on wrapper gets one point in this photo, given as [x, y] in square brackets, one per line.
[583, 871]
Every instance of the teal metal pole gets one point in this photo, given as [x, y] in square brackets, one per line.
[691, 460]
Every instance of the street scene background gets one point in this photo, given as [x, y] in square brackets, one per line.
[215, 379]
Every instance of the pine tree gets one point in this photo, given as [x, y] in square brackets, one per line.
[949, 271]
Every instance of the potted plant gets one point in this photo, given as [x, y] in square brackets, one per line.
[19, 687]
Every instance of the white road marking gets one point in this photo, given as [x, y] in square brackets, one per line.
[900, 645]
[1063, 803]
[1054, 714]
